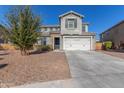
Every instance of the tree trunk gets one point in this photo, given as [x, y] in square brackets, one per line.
[24, 52]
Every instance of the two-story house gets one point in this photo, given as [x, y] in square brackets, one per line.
[115, 34]
[70, 34]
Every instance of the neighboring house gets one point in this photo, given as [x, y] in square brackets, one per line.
[70, 34]
[114, 34]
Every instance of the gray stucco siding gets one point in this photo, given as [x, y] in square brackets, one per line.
[77, 30]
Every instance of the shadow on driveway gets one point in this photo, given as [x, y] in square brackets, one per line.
[3, 65]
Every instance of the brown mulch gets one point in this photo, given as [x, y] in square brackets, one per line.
[114, 53]
[18, 70]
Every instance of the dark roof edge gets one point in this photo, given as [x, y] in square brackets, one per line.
[83, 34]
[85, 23]
[72, 13]
[59, 25]
[113, 26]
[50, 26]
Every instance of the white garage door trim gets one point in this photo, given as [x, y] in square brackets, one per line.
[74, 42]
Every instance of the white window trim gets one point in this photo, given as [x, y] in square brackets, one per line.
[72, 22]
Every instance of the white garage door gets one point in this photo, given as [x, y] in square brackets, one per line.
[76, 43]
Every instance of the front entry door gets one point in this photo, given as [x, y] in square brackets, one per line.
[56, 43]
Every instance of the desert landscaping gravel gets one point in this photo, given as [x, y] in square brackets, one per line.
[17, 70]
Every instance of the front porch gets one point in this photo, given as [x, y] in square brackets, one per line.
[56, 41]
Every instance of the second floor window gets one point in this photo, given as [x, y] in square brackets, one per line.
[71, 23]
[44, 40]
[83, 28]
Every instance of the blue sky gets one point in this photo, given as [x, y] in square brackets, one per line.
[100, 17]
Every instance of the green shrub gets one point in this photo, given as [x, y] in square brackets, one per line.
[108, 44]
[46, 48]
[43, 48]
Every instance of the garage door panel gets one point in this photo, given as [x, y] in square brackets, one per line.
[76, 43]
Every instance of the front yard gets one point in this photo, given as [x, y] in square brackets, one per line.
[17, 70]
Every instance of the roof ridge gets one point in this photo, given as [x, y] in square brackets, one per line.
[71, 12]
[113, 26]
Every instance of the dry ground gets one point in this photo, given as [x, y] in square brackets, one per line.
[18, 70]
[114, 53]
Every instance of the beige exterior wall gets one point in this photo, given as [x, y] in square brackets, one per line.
[77, 30]
[93, 42]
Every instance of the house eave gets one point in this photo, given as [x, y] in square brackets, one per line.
[112, 27]
[71, 12]
[83, 34]
[50, 26]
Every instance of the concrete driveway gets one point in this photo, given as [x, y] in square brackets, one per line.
[93, 69]
[90, 69]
